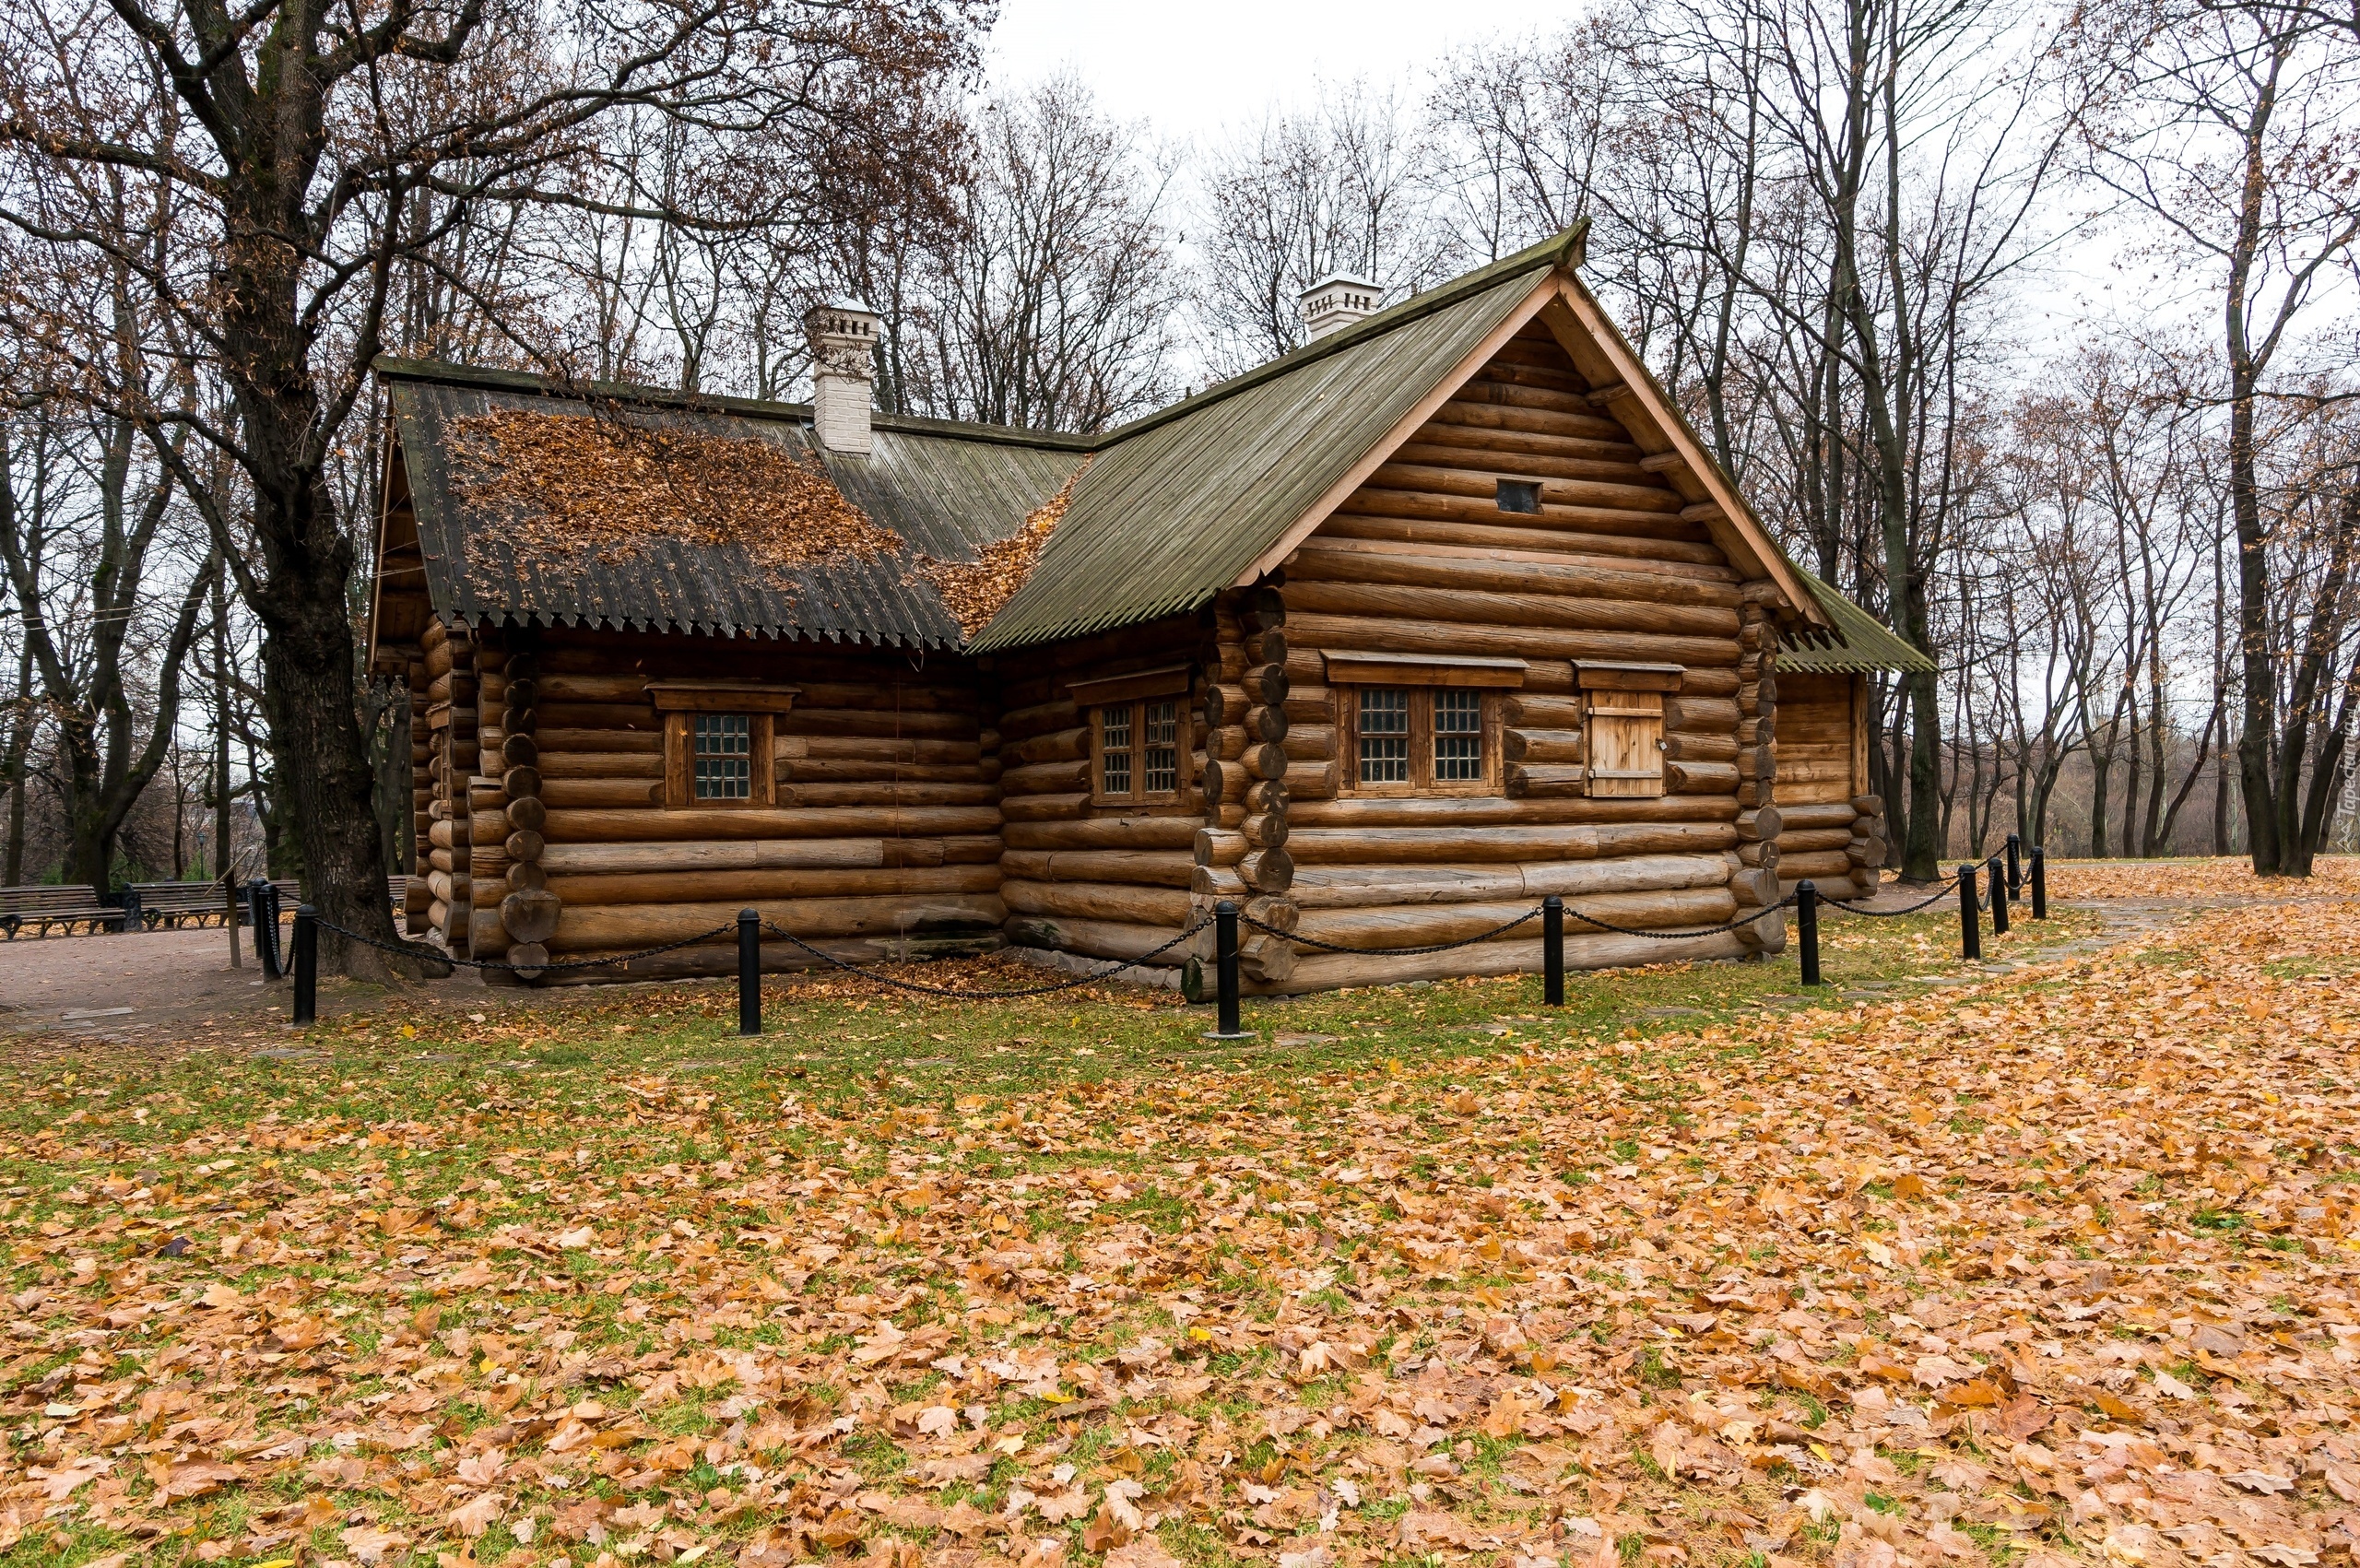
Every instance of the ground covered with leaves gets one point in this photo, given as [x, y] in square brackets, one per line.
[2053, 1266]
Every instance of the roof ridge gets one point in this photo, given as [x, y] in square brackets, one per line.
[1562, 248]
[448, 372]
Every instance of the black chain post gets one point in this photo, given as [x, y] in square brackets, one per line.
[1552, 951]
[1226, 1024]
[266, 924]
[749, 971]
[1999, 901]
[2040, 883]
[2015, 868]
[1807, 928]
[1970, 930]
[307, 963]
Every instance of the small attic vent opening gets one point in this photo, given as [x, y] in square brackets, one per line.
[1521, 495]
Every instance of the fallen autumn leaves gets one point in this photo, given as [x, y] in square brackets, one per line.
[2059, 1267]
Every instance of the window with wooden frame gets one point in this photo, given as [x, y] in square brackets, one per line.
[1139, 735]
[1622, 715]
[1419, 724]
[718, 742]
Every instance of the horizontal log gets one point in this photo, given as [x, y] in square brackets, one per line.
[1105, 833]
[1469, 607]
[1691, 746]
[911, 750]
[1047, 778]
[1827, 887]
[1348, 846]
[1387, 517]
[527, 916]
[1700, 778]
[1264, 829]
[597, 717]
[1266, 797]
[1162, 868]
[1372, 635]
[575, 794]
[523, 877]
[757, 886]
[886, 794]
[1528, 745]
[1806, 840]
[883, 722]
[1311, 781]
[752, 855]
[1800, 818]
[1042, 718]
[767, 822]
[1690, 710]
[1050, 747]
[1094, 938]
[1045, 807]
[1310, 744]
[1263, 724]
[1803, 772]
[1218, 882]
[843, 769]
[1815, 863]
[1763, 822]
[1165, 907]
[645, 742]
[612, 926]
[646, 766]
[1547, 781]
[1353, 886]
[1477, 811]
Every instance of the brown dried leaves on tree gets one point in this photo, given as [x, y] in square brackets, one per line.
[975, 593]
[612, 487]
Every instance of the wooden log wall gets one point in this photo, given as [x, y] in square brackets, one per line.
[1267, 741]
[1102, 881]
[1833, 830]
[1757, 726]
[450, 656]
[1422, 560]
[882, 839]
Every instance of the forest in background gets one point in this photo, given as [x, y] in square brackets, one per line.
[2033, 331]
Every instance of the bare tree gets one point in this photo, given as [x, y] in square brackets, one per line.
[287, 145]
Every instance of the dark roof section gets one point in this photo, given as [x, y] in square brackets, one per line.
[947, 489]
[1857, 641]
[1181, 501]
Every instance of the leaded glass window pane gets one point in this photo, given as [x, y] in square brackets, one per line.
[1384, 736]
[1458, 735]
[1115, 749]
[1160, 758]
[723, 756]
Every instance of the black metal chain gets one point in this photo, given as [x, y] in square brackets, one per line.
[1940, 894]
[401, 950]
[1245, 919]
[961, 994]
[1499, 930]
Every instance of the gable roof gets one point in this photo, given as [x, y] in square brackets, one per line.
[946, 489]
[1854, 641]
[1176, 506]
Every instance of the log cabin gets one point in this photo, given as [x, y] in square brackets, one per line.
[1386, 640]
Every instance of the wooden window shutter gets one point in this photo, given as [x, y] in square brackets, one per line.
[1622, 709]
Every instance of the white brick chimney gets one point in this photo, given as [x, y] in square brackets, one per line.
[844, 368]
[1336, 302]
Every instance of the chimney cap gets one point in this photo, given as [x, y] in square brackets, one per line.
[1338, 300]
[844, 316]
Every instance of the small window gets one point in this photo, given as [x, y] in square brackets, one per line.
[723, 756]
[1137, 748]
[1521, 495]
[1160, 748]
[1458, 737]
[1408, 739]
[1385, 737]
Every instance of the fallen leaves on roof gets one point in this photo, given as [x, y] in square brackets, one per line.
[974, 592]
[608, 484]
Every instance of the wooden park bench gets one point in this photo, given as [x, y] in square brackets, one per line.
[162, 905]
[39, 907]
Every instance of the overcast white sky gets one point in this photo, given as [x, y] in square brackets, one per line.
[1191, 69]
